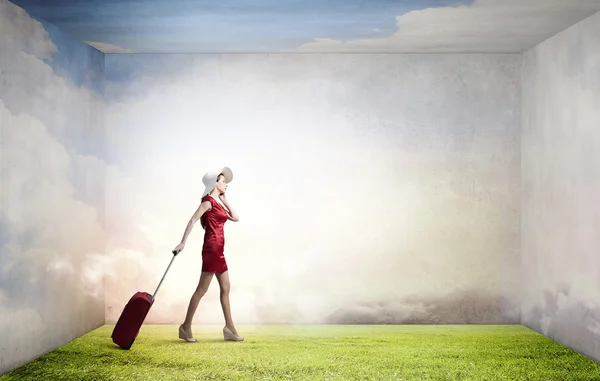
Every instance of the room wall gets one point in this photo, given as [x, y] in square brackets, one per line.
[51, 187]
[561, 184]
[371, 188]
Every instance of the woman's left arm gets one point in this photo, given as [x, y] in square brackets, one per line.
[231, 214]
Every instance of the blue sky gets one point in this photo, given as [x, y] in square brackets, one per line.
[75, 61]
[224, 25]
[81, 66]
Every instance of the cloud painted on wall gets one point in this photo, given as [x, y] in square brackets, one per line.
[150, 26]
[49, 237]
[51, 191]
[205, 101]
[483, 26]
[561, 83]
[307, 155]
[52, 188]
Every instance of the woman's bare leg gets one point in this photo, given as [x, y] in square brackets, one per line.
[225, 286]
[205, 279]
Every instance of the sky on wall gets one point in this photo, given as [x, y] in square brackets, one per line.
[185, 25]
[200, 26]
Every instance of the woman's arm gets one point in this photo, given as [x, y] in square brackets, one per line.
[203, 208]
[231, 214]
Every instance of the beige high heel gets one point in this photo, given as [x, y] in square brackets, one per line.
[185, 335]
[228, 335]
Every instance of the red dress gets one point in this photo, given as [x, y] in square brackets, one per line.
[213, 257]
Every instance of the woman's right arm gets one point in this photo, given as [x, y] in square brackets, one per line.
[203, 208]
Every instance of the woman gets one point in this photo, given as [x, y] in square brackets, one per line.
[212, 213]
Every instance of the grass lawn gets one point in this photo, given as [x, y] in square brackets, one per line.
[342, 352]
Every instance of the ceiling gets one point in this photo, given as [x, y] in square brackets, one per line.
[313, 26]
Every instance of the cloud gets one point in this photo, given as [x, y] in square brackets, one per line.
[108, 48]
[26, 34]
[43, 124]
[561, 106]
[490, 26]
[566, 314]
[561, 94]
[54, 236]
[49, 228]
[463, 306]
[301, 233]
[20, 327]
[51, 196]
[330, 197]
[72, 115]
[50, 234]
[595, 328]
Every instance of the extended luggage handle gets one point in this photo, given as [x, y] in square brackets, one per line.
[163, 277]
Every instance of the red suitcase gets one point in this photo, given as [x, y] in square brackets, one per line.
[133, 315]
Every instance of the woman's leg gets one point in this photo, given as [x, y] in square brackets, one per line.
[225, 286]
[201, 290]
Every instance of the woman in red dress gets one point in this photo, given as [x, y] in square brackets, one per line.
[213, 212]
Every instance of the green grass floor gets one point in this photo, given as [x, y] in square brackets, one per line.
[342, 352]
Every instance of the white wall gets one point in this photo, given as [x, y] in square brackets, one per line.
[561, 187]
[371, 188]
[51, 187]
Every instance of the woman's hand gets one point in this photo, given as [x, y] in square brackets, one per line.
[178, 248]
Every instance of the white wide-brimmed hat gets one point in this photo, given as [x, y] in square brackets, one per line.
[210, 179]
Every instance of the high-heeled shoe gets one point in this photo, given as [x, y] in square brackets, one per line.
[187, 336]
[228, 335]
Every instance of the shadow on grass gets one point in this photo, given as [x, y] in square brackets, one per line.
[200, 341]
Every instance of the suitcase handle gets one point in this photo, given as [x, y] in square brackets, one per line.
[163, 278]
